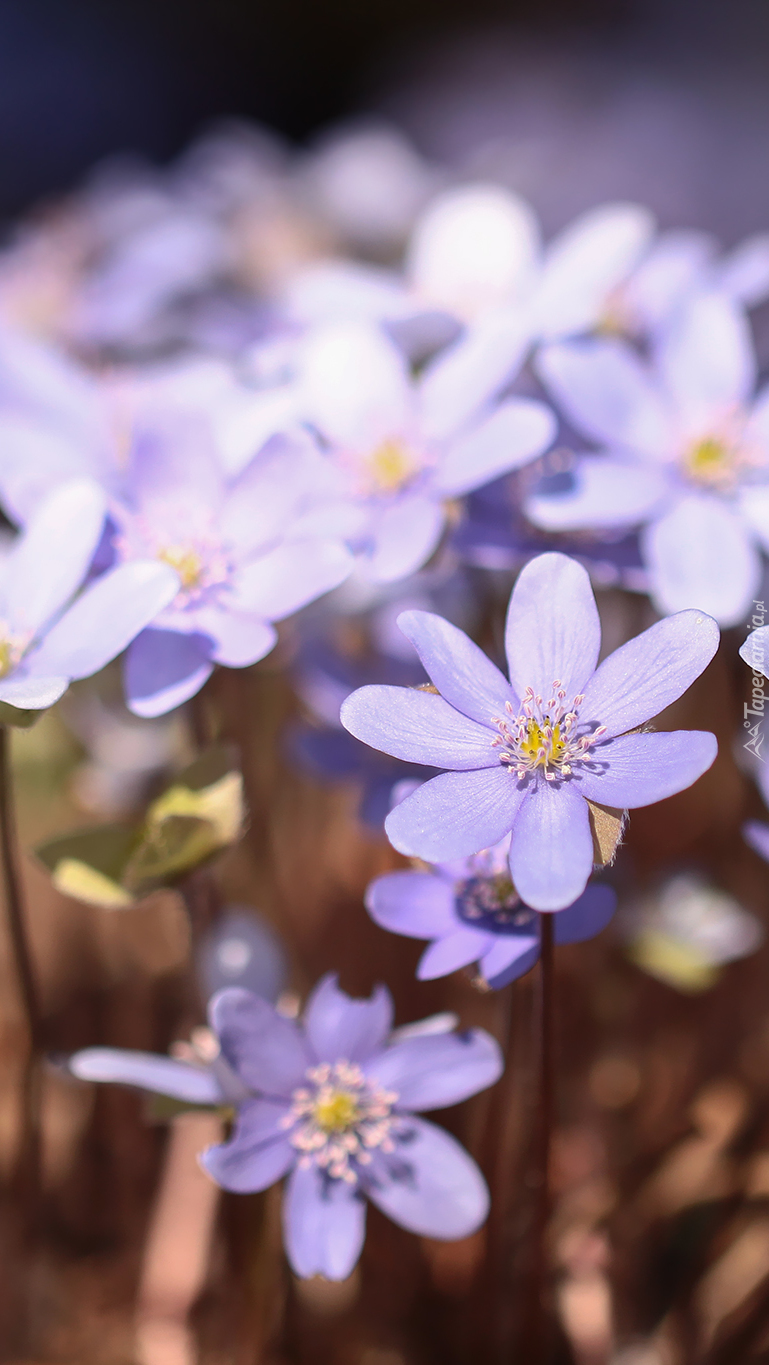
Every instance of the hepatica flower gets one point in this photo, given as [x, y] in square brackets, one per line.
[238, 546]
[49, 634]
[471, 911]
[685, 453]
[399, 448]
[330, 1103]
[526, 757]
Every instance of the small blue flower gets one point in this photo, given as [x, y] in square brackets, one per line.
[472, 913]
[528, 755]
[330, 1103]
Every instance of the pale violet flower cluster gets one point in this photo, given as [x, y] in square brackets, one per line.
[528, 755]
[331, 1104]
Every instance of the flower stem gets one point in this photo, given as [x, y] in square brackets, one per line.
[539, 1334]
[28, 1170]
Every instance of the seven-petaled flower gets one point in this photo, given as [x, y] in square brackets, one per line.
[330, 1103]
[522, 757]
[471, 911]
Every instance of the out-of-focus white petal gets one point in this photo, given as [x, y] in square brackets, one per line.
[706, 358]
[701, 554]
[582, 267]
[354, 385]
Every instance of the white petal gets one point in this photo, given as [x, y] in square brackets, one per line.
[582, 266]
[701, 555]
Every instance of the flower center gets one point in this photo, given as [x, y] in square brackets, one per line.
[542, 736]
[391, 466]
[187, 562]
[711, 461]
[12, 649]
[493, 903]
[339, 1119]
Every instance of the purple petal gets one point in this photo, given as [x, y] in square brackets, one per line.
[607, 393]
[258, 1152]
[106, 618]
[34, 692]
[324, 1225]
[707, 358]
[608, 493]
[514, 434]
[461, 671]
[49, 561]
[458, 949]
[642, 769]
[466, 376]
[587, 916]
[456, 814]
[755, 650]
[268, 1052]
[435, 1071]
[174, 473]
[551, 851]
[405, 536]
[164, 668]
[511, 957]
[756, 834]
[429, 1185]
[355, 385]
[339, 1027]
[417, 904]
[163, 1075]
[552, 629]
[235, 640]
[279, 583]
[417, 726]
[645, 675]
[590, 258]
[701, 554]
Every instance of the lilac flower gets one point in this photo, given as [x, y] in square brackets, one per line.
[243, 556]
[471, 911]
[330, 1104]
[400, 449]
[528, 755]
[48, 635]
[685, 453]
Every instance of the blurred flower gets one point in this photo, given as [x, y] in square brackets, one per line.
[244, 556]
[48, 635]
[242, 949]
[331, 1105]
[686, 454]
[471, 911]
[686, 933]
[399, 448]
[530, 755]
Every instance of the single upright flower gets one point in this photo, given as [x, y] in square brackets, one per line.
[528, 756]
[244, 555]
[471, 911]
[330, 1103]
[49, 635]
[401, 449]
[685, 454]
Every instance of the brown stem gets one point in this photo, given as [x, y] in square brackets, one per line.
[538, 1333]
[14, 902]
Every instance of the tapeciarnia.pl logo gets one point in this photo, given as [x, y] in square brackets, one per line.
[754, 710]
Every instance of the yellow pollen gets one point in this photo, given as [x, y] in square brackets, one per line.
[188, 564]
[539, 749]
[392, 465]
[709, 460]
[7, 658]
[336, 1112]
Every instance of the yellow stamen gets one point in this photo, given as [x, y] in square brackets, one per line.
[539, 749]
[188, 563]
[336, 1112]
[392, 465]
[710, 460]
